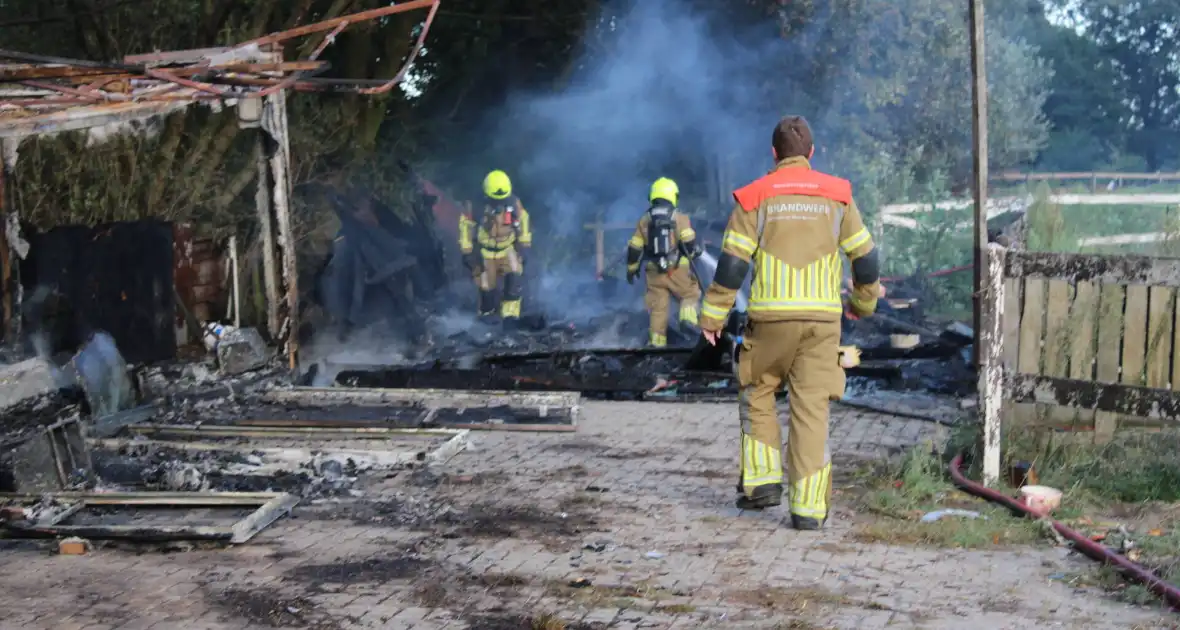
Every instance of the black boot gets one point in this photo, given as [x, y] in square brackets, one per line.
[761, 497]
[806, 523]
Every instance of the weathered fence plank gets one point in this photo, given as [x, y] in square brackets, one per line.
[1073, 268]
[1134, 336]
[1142, 402]
[1082, 327]
[1161, 312]
[1081, 330]
[1012, 294]
[1032, 326]
[1056, 348]
[1106, 364]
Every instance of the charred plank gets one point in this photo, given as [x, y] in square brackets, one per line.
[1126, 269]
[1144, 402]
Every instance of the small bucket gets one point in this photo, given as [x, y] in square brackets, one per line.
[1041, 499]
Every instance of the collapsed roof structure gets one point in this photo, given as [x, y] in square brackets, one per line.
[43, 95]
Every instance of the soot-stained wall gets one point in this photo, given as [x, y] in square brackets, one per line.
[116, 277]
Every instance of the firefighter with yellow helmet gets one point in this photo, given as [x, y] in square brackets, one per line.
[502, 234]
[665, 241]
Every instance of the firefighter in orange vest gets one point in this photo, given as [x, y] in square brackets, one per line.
[791, 227]
[503, 233]
[665, 239]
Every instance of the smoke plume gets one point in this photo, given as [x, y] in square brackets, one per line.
[665, 93]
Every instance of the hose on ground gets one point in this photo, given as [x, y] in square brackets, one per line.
[1093, 550]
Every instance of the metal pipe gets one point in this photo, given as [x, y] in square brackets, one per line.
[67, 90]
[65, 61]
[410, 59]
[328, 25]
[196, 85]
[328, 39]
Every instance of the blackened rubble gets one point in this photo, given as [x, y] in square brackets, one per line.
[557, 357]
[599, 354]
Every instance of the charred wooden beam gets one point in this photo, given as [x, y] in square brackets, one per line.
[628, 384]
[558, 355]
[119, 532]
[333, 396]
[1126, 269]
[692, 359]
[1144, 402]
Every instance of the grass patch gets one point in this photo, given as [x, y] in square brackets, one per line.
[1124, 493]
[918, 485]
[1135, 467]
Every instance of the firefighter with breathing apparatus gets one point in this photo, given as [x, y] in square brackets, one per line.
[502, 235]
[791, 227]
[665, 240]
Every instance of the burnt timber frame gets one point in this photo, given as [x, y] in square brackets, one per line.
[271, 507]
[999, 383]
[432, 401]
[54, 95]
[317, 433]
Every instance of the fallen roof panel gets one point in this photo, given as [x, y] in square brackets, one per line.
[83, 117]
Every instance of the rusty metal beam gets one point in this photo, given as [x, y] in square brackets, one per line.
[50, 72]
[254, 68]
[196, 85]
[66, 61]
[93, 95]
[397, 78]
[328, 25]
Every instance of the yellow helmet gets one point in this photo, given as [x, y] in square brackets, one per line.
[497, 185]
[666, 189]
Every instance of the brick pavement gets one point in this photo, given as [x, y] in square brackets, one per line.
[633, 510]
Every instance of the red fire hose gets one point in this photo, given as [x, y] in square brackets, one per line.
[1083, 544]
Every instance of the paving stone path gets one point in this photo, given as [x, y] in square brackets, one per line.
[625, 524]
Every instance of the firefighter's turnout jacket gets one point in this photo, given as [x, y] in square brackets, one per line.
[674, 279]
[791, 227]
[502, 233]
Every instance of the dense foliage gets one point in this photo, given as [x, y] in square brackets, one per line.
[885, 82]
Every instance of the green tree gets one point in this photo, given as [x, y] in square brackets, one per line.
[1140, 45]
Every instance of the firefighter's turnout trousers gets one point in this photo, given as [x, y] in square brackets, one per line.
[505, 265]
[805, 356]
[789, 228]
[661, 287]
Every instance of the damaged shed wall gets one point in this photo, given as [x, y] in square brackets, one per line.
[116, 277]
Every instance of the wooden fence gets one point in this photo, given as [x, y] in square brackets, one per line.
[1080, 342]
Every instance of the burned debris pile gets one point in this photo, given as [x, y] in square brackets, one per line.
[99, 449]
[899, 350]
